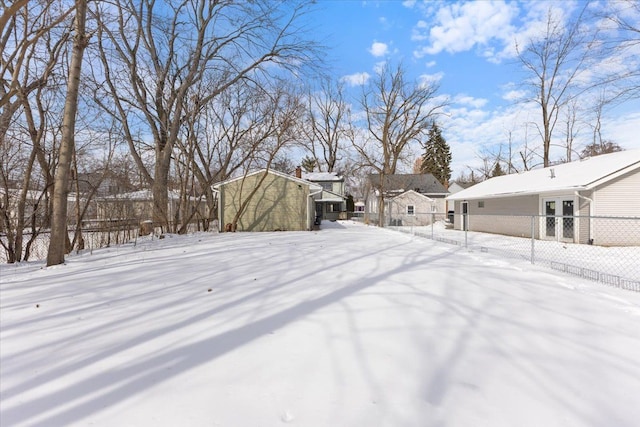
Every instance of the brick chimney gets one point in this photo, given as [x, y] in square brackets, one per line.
[298, 172]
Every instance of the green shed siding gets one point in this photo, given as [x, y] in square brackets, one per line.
[278, 204]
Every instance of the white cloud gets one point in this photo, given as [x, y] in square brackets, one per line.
[356, 79]
[462, 26]
[379, 67]
[418, 34]
[430, 79]
[409, 3]
[470, 101]
[379, 49]
[514, 95]
[474, 132]
[430, 64]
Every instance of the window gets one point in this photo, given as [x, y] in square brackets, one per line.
[334, 207]
[410, 210]
[328, 186]
[481, 204]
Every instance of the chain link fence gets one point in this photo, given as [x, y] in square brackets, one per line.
[94, 235]
[603, 249]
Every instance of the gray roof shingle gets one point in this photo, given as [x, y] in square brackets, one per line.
[421, 183]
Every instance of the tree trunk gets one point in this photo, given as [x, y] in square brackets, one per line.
[160, 193]
[59, 236]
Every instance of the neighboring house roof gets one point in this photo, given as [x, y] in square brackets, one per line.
[456, 186]
[312, 186]
[321, 176]
[16, 192]
[421, 183]
[143, 195]
[411, 192]
[575, 176]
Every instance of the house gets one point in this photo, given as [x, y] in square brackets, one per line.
[568, 200]
[407, 197]
[332, 203]
[455, 187]
[271, 201]
[411, 208]
[136, 205]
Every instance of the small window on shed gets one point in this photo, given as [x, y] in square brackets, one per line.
[410, 210]
[481, 204]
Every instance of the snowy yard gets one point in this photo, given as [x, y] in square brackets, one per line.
[347, 326]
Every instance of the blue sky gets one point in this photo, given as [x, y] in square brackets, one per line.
[468, 49]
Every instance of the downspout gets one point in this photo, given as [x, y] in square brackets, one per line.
[218, 193]
[580, 196]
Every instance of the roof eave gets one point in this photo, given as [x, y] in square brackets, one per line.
[459, 196]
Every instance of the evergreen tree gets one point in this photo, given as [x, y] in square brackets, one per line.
[308, 164]
[351, 206]
[436, 159]
[497, 170]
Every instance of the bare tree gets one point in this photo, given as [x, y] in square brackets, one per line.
[327, 126]
[32, 41]
[490, 159]
[59, 236]
[9, 12]
[398, 113]
[280, 115]
[226, 136]
[572, 127]
[598, 144]
[510, 156]
[21, 29]
[154, 53]
[89, 172]
[625, 16]
[468, 178]
[554, 61]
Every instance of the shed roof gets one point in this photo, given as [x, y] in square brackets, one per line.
[412, 192]
[311, 185]
[582, 174]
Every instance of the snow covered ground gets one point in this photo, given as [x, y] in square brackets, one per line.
[347, 326]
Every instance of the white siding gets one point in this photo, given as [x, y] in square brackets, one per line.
[617, 198]
[620, 197]
[422, 214]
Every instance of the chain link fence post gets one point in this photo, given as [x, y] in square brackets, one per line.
[533, 239]
[466, 231]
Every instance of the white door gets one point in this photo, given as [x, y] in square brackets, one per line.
[558, 221]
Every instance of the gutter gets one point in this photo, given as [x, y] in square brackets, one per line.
[313, 194]
[591, 203]
[577, 194]
[551, 191]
